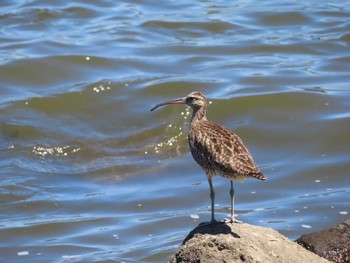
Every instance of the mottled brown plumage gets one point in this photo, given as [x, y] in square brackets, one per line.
[216, 149]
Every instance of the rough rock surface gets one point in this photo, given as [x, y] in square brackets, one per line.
[332, 244]
[240, 243]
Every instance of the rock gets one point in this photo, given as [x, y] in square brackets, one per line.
[240, 242]
[332, 244]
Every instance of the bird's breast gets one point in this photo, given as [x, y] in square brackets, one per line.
[200, 152]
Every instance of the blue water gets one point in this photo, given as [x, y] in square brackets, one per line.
[89, 174]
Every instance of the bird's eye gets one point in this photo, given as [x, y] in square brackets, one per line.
[190, 99]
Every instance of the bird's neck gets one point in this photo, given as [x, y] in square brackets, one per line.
[199, 114]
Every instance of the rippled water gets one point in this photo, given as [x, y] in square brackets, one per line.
[88, 174]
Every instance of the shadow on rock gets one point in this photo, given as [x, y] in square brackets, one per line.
[212, 229]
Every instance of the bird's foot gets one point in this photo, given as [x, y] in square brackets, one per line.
[232, 221]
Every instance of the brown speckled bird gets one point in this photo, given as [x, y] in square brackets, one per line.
[216, 149]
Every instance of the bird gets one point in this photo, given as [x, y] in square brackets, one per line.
[216, 149]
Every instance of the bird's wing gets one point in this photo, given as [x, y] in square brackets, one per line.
[227, 149]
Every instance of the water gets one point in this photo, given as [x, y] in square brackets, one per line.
[88, 174]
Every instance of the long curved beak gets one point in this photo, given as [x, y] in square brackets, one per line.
[175, 101]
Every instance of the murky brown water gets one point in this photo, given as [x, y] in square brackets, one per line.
[88, 174]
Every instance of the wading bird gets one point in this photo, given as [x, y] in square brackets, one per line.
[216, 149]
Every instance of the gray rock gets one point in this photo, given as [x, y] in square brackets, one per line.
[332, 244]
[240, 243]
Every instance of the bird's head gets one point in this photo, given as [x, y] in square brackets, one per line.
[195, 100]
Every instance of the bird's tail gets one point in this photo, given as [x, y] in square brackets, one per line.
[259, 176]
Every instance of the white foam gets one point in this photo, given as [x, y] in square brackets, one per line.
[194, 216]
[306, 226]
[23, 253]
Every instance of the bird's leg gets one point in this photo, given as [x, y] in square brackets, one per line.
[212, 198]
[232, 194]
